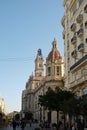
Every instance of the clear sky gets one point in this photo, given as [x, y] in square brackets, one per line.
[25, 26]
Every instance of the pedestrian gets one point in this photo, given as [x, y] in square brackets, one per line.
[23, 125]
[80, 126]
[73, 127]
[14, 124]
[30, 122]
[42, 124]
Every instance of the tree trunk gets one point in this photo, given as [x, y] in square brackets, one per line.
[64, 119]
[70, 119]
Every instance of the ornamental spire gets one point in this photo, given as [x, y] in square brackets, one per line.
[54, 43]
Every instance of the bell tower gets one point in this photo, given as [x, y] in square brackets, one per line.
[39, 64]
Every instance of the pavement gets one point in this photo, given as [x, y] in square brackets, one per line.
[26, 128]
[19, 128]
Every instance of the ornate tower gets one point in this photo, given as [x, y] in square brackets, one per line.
[39, 64]
[54, 64]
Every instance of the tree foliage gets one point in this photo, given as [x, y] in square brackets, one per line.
[65, 101]
[28, 115]
[17, 116]
[55, 99]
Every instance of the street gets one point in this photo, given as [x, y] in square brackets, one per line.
[26, 128]
[19, 128]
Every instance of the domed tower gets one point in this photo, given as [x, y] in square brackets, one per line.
[54, 64]
[39, 64]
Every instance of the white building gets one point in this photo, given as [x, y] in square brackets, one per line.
[39, 83]
[74, 23]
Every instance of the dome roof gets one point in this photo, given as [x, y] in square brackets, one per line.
[54, 54]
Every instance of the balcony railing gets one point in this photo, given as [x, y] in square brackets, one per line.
[79, 62]
[79, 81]
[74, 53]
[80, 18]
[74, 40]
[80, 32]
[85, 9]
[86, 24]
[73, 27]
[81, 47]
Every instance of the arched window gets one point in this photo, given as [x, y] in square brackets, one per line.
[58, 70]
[49, 71]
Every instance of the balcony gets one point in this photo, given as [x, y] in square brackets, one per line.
[86, 24]
[63, 34]
[81, 47]
[73, 27]
[85, 9]
[79, 63]
[80, 18]
[63, 21]
[74, 40]
[80, 32]
[74, 54]
[79, 81]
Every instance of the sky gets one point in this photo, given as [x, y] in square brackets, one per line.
[25, 26]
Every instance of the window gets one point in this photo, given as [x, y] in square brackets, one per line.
[81, 25]
[86, 24]
[74, 10]
[40, 65]
[40, 74]
[84, 72]
[57, 70]
[86, 40]
[80, 2]
[49, 71]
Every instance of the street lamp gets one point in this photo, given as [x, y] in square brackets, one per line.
[40, 113]
[43, 114]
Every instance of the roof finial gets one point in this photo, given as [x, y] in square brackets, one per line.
[32, 73]
[54, 43]
[54, 39]
[39, 53]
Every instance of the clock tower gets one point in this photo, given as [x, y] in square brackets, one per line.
[39, 64]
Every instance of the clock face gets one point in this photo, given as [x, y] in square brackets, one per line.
[40, 65]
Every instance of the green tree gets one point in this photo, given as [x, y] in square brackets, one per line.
[55, 100]
[28, 115]
[17, 116]
[62, 97]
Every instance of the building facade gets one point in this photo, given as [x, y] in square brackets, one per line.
[74, 23]
[2, 106]
[33, 82]
[39, 83]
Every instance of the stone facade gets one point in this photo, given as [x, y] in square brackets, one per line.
[74, 23]
[39, 83]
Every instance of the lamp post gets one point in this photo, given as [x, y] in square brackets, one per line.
[40, 114]
[43, 114]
